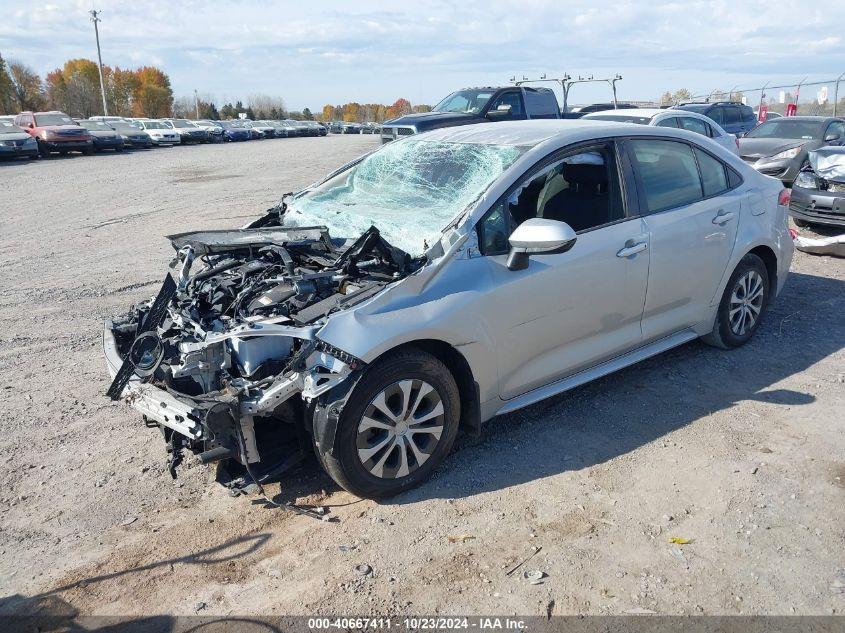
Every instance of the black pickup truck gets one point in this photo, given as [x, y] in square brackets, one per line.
[477, 105]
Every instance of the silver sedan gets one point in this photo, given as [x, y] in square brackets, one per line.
[442, 280]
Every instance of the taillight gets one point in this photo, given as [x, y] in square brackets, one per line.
[736, 140]
[783, 197]
[793, 233]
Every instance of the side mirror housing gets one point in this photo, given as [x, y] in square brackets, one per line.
[538, 236]
[830, 138]
[501, 112]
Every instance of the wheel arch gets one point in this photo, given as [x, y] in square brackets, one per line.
[323, 415]
[459, 367]
[770, 259]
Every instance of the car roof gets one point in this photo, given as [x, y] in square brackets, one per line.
[808, 117]
[645, 112]
[529, 133]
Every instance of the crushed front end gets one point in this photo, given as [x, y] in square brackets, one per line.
[227, 361]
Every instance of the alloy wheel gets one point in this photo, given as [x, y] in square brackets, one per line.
[400, 429]
[746, 302]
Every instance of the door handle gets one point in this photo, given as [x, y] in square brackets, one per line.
[632, 249]
[723, 217]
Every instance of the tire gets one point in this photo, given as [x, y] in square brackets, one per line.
[403, 378]
[732, 328]
[800, 223]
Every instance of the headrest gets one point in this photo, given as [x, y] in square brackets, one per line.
[584, 174]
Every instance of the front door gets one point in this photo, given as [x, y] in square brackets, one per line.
[566, 311]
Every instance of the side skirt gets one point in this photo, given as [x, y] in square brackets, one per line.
[608, 367]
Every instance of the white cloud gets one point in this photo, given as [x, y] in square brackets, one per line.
[376, 51]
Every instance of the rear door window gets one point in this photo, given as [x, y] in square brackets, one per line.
[540, 104]
[668, 122]
[714, 179]
[668, 173]
[717, 115]
[732, 115]
[694, 125]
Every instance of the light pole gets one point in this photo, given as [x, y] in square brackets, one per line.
[95, 18]
[196, 103]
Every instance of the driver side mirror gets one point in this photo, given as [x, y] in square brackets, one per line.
[538, 236]
[501, 112]
[831, 137]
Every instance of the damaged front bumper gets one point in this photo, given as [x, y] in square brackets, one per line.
[222, 426]
[227, 361]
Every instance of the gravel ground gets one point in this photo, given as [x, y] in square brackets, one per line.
[741, 452]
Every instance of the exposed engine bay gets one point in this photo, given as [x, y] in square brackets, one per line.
[226, 361]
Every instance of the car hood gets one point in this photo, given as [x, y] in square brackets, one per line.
[14, 136]
[829, 163]
[103, 133]
[432, 118]
[64, 128]
[761, 147]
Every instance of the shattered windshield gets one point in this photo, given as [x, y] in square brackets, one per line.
[469, 101]
[409, 190]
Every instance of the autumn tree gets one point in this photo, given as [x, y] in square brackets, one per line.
[7, 96]
[75, 88]
[399, 108]
[153, 96]
[121, 86]
[27, 88]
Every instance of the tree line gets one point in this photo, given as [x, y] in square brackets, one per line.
[146, 92]
[355, 112]
[75, 89]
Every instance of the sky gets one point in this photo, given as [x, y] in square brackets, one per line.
[373, 51]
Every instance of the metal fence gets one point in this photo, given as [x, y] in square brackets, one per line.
[819, 98]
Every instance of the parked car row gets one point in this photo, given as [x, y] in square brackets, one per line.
[34, 134]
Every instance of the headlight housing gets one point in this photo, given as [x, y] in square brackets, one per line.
[806, 180]
[787, 154]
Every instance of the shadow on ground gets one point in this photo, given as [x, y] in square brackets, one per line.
[621, 412]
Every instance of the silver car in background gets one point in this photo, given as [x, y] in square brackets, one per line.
[663, 117]
[442, 280]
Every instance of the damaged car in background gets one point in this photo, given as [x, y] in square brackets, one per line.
[438, 282]
[818, 193]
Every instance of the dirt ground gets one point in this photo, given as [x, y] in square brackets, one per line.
[742, 453]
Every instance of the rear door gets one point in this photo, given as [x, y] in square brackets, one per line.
[691, 215]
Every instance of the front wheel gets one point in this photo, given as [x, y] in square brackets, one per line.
[397, 426]
[743, 303]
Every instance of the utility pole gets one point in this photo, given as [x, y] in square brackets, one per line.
[95, 18]
[196, 104]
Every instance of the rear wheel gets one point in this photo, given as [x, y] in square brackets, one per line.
[743, 303]
[398, 425]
